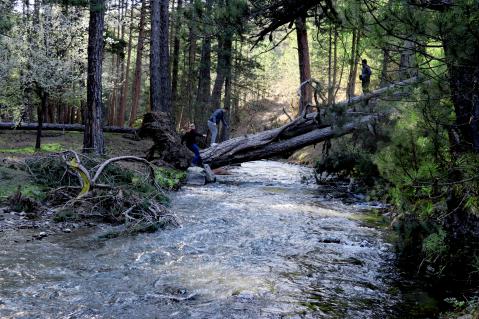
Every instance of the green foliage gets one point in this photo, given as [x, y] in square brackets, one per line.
[434, 245]
[168, 178]
[462, 307]
[114, 45]
[348, 163]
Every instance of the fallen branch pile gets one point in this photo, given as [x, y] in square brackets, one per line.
[115, 194]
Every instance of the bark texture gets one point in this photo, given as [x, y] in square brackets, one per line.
[93, 140]
[304, 63]
[155, 81]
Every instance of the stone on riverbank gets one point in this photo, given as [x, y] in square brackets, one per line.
[200, 176]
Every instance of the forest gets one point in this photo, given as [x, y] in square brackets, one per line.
[374, 102]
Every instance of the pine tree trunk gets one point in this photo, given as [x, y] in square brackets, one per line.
[176, 56]
[407, 64]
[304, 64]
[155, 80]
[165, 84]
[126, 77]
[463, 81]
[354, 75]
[204, 76]
[384, 71]
[41, 111]
[352, 61]
[93, 140]
[138, 64]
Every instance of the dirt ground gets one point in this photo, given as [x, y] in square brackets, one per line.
[18, 144]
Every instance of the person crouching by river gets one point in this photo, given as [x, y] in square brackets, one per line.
[190, 139]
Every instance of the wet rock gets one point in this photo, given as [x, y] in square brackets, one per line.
[41, 235]
[330, 241]
[210, 176]
[196, 176]
[67, 230]
[245, 296]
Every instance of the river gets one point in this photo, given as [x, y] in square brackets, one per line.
[260, 243]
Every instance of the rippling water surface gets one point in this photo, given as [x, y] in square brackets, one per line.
[258, 244]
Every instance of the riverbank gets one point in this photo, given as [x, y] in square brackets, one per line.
[43, 192]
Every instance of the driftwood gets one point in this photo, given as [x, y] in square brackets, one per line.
[303, 131]
[61, 127]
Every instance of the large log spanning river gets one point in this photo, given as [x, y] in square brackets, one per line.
[261, 243]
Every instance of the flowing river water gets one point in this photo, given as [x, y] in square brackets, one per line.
[260, 243]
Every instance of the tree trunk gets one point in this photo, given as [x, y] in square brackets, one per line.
[126, 76]
[155, 79]
[463, 81]
[304, 64]
[204, 76]
[93, 140]
[407, 64]
[225, 44]
[352, 60]
[165, 84]
[138, 64]
[191, 78]
[384, 71]
[225, 133]
[41, 110]
[353, 71]
[176, 55]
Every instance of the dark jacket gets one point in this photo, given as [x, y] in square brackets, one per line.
[217, 116]
[366, 73]
[190, 137]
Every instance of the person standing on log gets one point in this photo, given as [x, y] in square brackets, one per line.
[365, 76]
[190, 138]
[213, 122]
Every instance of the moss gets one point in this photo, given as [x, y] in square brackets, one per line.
[374, 218]
[30, 150]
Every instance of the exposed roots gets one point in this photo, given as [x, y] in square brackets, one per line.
[108, 191]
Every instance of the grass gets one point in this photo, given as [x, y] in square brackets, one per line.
[14, 178]
[30, 150]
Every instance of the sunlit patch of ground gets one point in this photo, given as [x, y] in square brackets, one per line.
[18, 144]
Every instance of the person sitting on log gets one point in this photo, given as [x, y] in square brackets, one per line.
[215, 118]
[190, 138]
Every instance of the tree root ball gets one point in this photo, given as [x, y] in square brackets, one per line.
[167, 142]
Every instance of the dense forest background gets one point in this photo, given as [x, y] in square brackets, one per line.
[190, 57]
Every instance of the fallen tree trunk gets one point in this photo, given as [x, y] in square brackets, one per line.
[61, 127]
[260, 145]
[303, 131]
